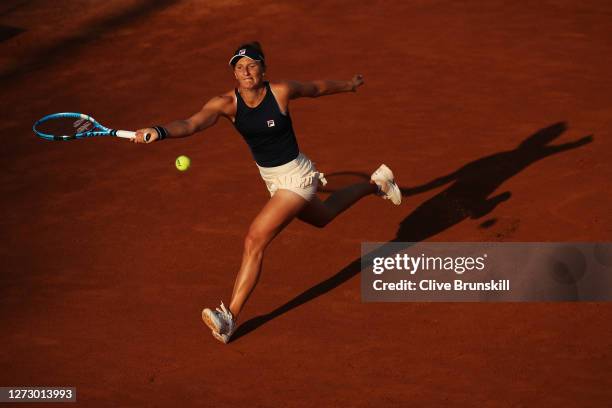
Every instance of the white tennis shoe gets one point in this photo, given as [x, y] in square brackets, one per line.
[387, 189]
[221, 322]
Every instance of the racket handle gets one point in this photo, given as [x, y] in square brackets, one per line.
[126, 134]
[131, 135]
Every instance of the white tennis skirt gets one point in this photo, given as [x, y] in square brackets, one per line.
[299, 176]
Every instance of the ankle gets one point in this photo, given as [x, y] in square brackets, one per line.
[234, 313]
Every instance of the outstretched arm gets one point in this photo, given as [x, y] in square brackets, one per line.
[314, 89]
[205, 118]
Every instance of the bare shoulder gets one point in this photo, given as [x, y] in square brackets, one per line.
[282, 91]
[281, 88]
[222, 100]
[224, 103]
[291, 89]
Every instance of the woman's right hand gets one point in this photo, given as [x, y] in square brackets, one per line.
[140, 135]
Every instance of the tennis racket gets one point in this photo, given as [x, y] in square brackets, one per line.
[72, 125]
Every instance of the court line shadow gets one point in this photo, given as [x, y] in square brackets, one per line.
[466, 197]
[68, 48]
[8, 32]
[13, 7]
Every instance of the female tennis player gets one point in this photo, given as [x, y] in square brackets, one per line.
[260, 112]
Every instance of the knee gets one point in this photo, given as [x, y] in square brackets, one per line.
[255, 243]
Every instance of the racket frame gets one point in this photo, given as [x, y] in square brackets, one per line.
[98, 129]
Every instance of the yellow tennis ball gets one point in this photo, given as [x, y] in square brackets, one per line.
[182, 163]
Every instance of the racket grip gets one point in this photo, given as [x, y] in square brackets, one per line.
[131, 135]
[126, 134]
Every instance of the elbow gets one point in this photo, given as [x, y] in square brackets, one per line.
[321, 90]
[318, 89]
[191, 128]
[317, 92]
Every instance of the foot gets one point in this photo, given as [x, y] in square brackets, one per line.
[221, 322]
[387, 189]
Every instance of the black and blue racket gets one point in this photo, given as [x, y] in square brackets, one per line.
[72, 125]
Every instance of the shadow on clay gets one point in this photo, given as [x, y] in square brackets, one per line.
[467, 196]
[69, 48]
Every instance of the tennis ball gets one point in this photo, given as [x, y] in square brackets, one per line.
[182, 163]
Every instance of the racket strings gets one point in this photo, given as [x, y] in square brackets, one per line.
[82, 125]
[65, 126]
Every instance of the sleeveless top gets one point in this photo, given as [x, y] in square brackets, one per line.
[267, 131]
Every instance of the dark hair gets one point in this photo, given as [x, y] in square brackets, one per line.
[257, 46]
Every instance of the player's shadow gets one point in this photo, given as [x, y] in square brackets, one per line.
[341, 179]
[468, 196]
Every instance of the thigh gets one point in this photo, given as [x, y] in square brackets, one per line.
[278, 212]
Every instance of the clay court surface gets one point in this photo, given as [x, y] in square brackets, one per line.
[109, 253]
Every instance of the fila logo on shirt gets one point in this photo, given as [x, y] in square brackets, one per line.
[271, 123]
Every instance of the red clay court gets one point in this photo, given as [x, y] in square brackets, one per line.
[109, 253]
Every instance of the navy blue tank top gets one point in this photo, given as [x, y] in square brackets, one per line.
[267, 131]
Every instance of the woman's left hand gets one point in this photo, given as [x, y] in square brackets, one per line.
[357, 81]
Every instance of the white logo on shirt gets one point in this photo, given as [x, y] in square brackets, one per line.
[270, 123]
